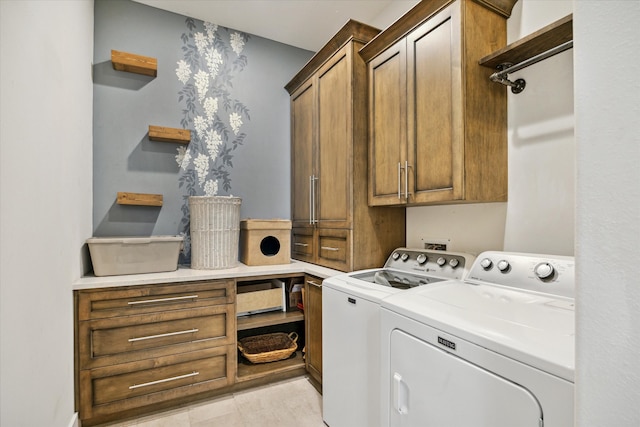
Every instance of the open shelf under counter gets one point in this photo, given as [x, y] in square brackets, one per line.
[268, 319]
[248, 371]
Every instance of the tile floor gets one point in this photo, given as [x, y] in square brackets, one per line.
[289, 403]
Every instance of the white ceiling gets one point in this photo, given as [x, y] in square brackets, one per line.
[307, 24]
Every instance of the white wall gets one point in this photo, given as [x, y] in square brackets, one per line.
[607, 86]
[539, 214]
[45, 202]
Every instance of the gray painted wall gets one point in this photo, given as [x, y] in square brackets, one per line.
[125, 104]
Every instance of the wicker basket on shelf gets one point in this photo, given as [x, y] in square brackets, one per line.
[268, 347]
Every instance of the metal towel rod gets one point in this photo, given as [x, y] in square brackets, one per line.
[518, 85]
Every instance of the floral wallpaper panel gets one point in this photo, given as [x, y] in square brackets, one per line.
[211, 58]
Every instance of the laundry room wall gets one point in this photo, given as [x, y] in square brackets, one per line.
[226, 86]
[539, 214]
[46, 49]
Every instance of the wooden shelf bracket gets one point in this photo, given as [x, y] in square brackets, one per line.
[545, 43]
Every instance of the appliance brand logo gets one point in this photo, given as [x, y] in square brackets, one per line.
[447, 343]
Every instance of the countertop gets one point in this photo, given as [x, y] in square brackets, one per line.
[186, 274]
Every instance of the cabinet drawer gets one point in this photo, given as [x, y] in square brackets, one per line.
[114, 302]
[125, 339]
[128, 386]
[302, 244]
[334, 248]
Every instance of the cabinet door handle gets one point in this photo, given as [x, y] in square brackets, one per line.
[311, 282]
[311, 199]
[314, 180]
[329, 248]
[179, 377]
[150, 301]
[169, 334]
[301, 244]
[399, 181]
[406, 180]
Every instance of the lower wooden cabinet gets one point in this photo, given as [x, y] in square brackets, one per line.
[140, 347]
[313, 327]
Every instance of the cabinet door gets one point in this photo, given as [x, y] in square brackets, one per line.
[313, 326]
[335, 141]
[302, 137]
[435, 128]
[387, 126]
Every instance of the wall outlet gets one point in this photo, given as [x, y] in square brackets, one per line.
[435, 244]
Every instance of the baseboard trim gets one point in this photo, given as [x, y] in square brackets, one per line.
[74, 421]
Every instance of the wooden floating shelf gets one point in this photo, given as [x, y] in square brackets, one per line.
[532, 45]
[163, 134]
[132, 63]
[139, 199]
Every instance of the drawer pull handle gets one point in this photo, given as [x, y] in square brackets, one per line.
[179, 377]
[329, 248]
[301, 244]
[150, 301]
[311, 282]
[149, 337]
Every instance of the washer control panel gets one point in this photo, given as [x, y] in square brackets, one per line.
[447, 265]
[548, 274]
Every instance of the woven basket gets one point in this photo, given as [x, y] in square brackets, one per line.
[215, 231]
[268, 347]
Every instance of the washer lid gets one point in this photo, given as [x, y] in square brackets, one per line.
[537, 330]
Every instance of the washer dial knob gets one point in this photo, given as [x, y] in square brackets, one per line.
[404, 257]
[453, 262]
[503, 265]
[422, 258]
[395, 256]
[486, 263]
[441, 261]
[544, 270]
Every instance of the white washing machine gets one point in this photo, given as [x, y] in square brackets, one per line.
[351, 328]
[494, 350]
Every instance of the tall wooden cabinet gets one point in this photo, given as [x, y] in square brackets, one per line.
[332, 224]
[437, 124]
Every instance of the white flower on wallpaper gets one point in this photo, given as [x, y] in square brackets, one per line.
[202, 84]
[183, 71]
[202, 167]
[237, 43]
[210, 108]
[214, 60]
[183, 158]
[211, 188]
[235, 121]
[212, 57]
[211, 30]
[202, 42]
[214, 141]
[201, 125]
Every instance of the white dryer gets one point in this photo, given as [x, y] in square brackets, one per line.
[494, 350]
[351, 328]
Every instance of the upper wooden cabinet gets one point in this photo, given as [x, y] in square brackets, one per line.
[331, 219]
[437, 125]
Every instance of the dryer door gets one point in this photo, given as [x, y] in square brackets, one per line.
[432, 388]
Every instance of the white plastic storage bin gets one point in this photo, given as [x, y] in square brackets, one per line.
[113, 256]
